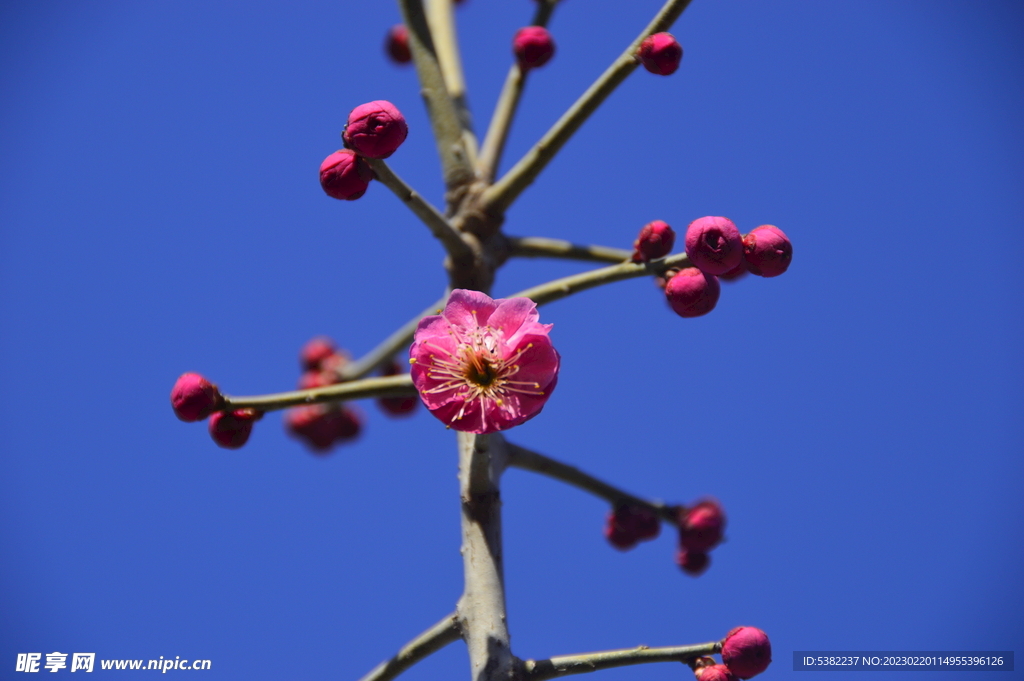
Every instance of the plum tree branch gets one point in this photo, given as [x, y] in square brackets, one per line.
[541, 247]
[498, 197]
[444, 118]
[387, 348]
[481, 609]
[439, 226]
[566, 286]
[508, 102]
[528, 460]
[564, 665]
[441, 20]
[384, 386]
[429, 642]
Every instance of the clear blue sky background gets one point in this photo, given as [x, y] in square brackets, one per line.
[859, 417]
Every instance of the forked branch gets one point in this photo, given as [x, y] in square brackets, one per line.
[499, 196]
[429, 642]
[387, 348]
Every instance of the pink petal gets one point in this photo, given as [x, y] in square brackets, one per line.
[468, 309]
[512, 314]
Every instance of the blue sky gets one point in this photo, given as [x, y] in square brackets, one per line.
[859, 417]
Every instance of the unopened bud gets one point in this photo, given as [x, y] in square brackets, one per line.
[231, 429]
[193, 398]
[655, 241]
[532, 47]
[397, 44]
[692, 293]
[660, 53]
[746, 651]
[701, 526]
[714, 244]
[628, 524]
[375, 129]
[767, 251]
[345, 176]
[714, 672]
[693, 563]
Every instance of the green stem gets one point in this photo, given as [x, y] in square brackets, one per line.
[541, 247]
[430, 641]
[540, 670]
[385, 386]
[387, 348]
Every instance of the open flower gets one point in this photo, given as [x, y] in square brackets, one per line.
[484, 365]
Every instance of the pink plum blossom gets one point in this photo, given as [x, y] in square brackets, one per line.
[484, 365]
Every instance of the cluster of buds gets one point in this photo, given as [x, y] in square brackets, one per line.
[746, 652]
[701, 528]
[374, 130]
[322, 426]
[194, 398]
[716, 249]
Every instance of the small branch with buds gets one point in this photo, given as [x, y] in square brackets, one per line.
[429, 642]
[508, 102]
[385, 386]
[564, 665]
[457, 248]
[566, 286]
[528, 460]
[540, 247]
[499, 196]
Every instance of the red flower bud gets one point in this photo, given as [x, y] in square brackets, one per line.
[714, 244]
[532, 47]
[767, 251]
[692, 293]
[375, 129]
[655, 241]
[194, 398]
[397, 44]
[735, 273]
[321, 427]
[660, 53]
[345, 176]
[231, 429]
[627, 524]
[692, 563]
[701, 526]
[714, 672]
[746, 651]
[315, 351]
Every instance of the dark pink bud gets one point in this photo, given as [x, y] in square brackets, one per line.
[627, 524]
[746, 651]
[345, 176]
[660, 53]
[714, 672]
[194, 398]
[714, 244]
[692, 293]
[533, 47]
[767, 251]
[321, 426]
[655, 241]
[375, 129]
[397, 44]
[692, 563]
[315, 351]
[701, 526]
[231, 429]
[397, 406]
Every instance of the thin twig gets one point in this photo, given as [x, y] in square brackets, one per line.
[540, 247]
[439, 226]
[528, 460]
[499, 196]
[429, 642]
[505, 110]
[441, 19]
[444, 118]
[384, 386]
[564, 665]
[566, 286]
[387, 348]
